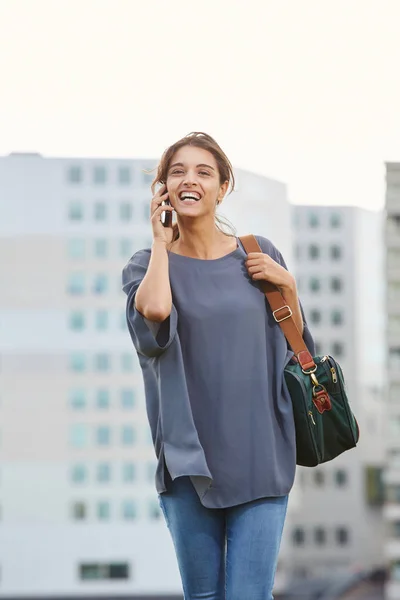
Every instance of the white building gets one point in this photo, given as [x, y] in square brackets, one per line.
[339, 269]
[79, 513]
[392, 473]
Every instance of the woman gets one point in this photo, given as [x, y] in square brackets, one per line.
[212, 358]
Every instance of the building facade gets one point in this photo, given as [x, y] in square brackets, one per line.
[79, 513]
[392, 473]
[339, 269]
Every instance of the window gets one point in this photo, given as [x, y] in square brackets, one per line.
[101, 320]
[127, 363]
[128, 472]
[126, 211]
[77, 362]
[340, 477]
[103, 474]
[99, 175]
[128, 435]
[75, 211]
[129, 509]
[103, 510]
[79, 473]
[76, 248]
[342, 536]
[77, 398]
[100, 211]
[394, 359]
[335, 220]
[319, 477]
[96, 571]
[313, 220]
[102, 362]
[320, 536]
[74, 174]
[335, 252]
[78, 435]
[127, 398]
[103, 435]
[313, 251]
[79, 511]
[124, 175]
[336, 284]
[147, 177]
[337, 349]
[77, 320]
[100, 284]
[298, 536]
[154, 510]
[102, 398]
[315, 284]
[100, 248]
[126, 247]
[315, 316]
[76, 284]
[337, 317]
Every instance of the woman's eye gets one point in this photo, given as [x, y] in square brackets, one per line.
[204, 173]
[176, 172]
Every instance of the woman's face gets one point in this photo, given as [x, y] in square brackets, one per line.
[193, 173]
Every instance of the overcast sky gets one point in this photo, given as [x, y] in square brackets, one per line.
[304, 91]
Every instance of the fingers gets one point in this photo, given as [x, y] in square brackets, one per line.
[161, 209]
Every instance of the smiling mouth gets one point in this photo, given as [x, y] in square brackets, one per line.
[188, 198]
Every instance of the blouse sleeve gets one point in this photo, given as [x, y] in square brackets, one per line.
[150, 338]
[277, 256]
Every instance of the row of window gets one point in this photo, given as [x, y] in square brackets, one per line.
[336, 349]
[103, 510]
[79, 362]
[99, 571]
[79, 283]
[314, 219]
[315, 316]
[314, 284]
[80, 248]
[322, 478]
[78, 398]
[100, 175]
[314, 252]
[78, 210]
[320, 536]
[104, 472]
[81, 435]
[79, 320]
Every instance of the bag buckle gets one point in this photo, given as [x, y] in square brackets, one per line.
[285, 317]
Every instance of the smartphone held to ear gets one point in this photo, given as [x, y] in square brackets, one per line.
[166, 216]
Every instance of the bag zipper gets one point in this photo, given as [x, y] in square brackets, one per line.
[309, 412]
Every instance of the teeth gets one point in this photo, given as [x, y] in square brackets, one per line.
[189, 197]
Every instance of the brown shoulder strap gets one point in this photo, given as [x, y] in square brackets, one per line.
[282, 313]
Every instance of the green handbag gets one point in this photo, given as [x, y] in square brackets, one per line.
[325, 425]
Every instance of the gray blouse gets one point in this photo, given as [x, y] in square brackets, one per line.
[217, 403]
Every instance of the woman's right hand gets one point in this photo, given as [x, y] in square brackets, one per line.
[160, 233]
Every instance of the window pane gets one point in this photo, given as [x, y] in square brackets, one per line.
[128, 472]
[315, 284]
[77, 321]
[100, 211]
[102, 362]
[127, 363]
[154, 510]
[103, 510]
[101, 318]
[74, 174]
[124, 175]
[313, 220]
[128, 435]
[315, 316]
[126, 211]
[103, 472]
[75, 211]
[126, 247]
[129, 509]
[335, 220]
[336, 252]
[100, 248]
[337, 317]
[79, 473]
[77, 362]
[342, 536]
[298, 536]
[337, 349]
[102, 398]
[76, 248]
[341, 477]
[127, 398]
[77, 398]
[313, 251]
[320, 535]
[79, 511]
[99, 175]
[100, 284]
[76, 284]
[78, 435]
[103, 435]
[319, 477]
[336, 284]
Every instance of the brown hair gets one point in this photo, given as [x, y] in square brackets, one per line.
[201, 140]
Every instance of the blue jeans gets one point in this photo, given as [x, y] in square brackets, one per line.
[224, 553]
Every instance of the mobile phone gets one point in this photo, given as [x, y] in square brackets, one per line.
[166, 216]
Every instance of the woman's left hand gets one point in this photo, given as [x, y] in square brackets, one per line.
[262, 266]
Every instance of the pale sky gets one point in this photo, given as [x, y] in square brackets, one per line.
[303, 91]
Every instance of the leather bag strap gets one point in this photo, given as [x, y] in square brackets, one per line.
[281, 312]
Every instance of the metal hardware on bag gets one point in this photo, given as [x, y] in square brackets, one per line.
[314, 379]
[309, 372]
[312, 417]
[334, 376]
[324, 358]
[314, 392]
[283, 318]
